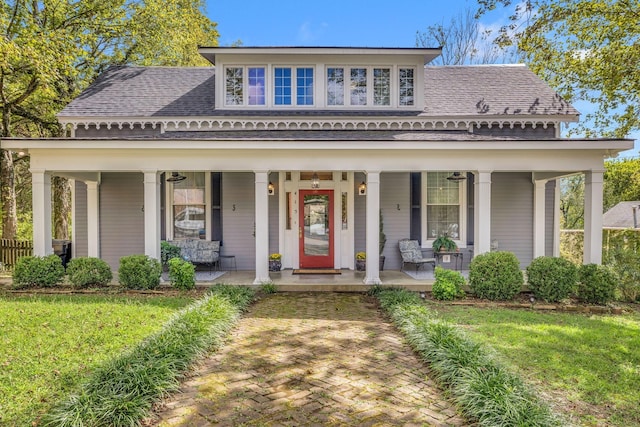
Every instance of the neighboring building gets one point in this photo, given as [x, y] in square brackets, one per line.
[298, 150]
[623, 215]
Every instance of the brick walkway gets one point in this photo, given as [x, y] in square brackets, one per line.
[311, 359]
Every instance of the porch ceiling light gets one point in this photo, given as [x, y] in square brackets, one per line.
[315, 181]
[176, 177]
[456, 176]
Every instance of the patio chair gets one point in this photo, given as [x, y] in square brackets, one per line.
[412, 254]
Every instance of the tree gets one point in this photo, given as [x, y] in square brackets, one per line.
[587, 50]
[463, 41]
[621, 182]
[572, 202]
[52, 49]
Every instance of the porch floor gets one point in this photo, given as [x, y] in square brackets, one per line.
[348, 281]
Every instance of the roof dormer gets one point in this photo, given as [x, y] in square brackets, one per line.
[323, 78]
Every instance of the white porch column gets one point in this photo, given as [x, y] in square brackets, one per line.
[41, 197]
[262, 227]
[372, 276]
[152, 214]
[556, 220]
[593, 217]
[539, 197]
[93, 219]
[482, 213]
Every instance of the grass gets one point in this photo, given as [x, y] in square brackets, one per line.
[122, 391]
[50, 343]
[590, 364]
[477, 381]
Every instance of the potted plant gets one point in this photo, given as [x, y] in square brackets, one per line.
[382, 241]
[275, 262]
[361, 261]
[444, 244]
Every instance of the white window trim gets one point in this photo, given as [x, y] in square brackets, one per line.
[394, 101]
[427, 241]
[169, 218]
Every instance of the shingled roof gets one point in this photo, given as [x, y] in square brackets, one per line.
[190, 92]
[622, 215]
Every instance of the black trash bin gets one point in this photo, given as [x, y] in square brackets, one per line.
[62, 248]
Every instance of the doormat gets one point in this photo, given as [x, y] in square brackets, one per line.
[317, 271]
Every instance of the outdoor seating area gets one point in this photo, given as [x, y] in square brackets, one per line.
[199, 251]
[412, 254]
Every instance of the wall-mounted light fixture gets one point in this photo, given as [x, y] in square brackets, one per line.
[271, 188]
[362, 189]
[176, 177]
[315, 181]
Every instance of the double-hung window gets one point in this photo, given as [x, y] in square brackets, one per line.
[444, 202]
[364, 86]
[406, 82]
[245, 86]
[189, 207]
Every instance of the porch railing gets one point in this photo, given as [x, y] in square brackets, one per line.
[11, 250]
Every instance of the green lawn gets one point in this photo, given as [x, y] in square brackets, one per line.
[588, 365]
[49, 343]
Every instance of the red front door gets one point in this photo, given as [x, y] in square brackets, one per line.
[316, 229]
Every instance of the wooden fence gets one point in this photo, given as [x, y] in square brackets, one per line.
[11, 250]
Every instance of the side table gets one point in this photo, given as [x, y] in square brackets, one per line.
[458, 257]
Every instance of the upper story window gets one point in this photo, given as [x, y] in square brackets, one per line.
[240, 90]
[369, 86]
[407, 85]
[285, 86]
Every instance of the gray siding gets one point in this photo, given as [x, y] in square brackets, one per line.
[274, 220]
[550, 193]
[512, 214]
[395, 206]
[238, 213]
[80, 242]
[360, 214]
[121, 216]
[527, 133]
[116, 132]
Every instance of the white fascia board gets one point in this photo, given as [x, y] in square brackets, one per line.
[606, 145]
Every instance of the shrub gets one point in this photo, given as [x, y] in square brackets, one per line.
[448, 285]
[168, 251]
[86, 271]
[38, 271]
[552, 279]
[596, 284]
[182, 274]
[495, 275]
[626, 264]
[269, 288]
[139, 272]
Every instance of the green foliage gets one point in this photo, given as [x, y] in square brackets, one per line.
[392, 297]
[123, 390]
[495, 275]
[168, 251]
[382, 237]
[38, 271]
[444, 243]
[551, 279]
[483, 388]
[240, 296]
[52, 342]
[182, 274]
[87, 271]
[587, 50]
[596, 284]
[448, 284]
[269, 288]
[626, 264]
[571, 202]
[139, 272]
[621, 181]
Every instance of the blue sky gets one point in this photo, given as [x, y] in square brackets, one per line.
[356, 23]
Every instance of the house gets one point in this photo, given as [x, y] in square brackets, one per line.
[623, 215]
[298, 150]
